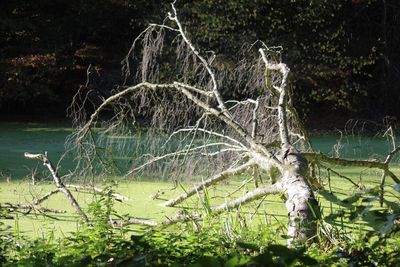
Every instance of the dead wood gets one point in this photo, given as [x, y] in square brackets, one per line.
[60, 185]
[28, 208]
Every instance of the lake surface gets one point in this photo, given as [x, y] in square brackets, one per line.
[17, 138]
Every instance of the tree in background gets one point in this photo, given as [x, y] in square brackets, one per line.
[342, 54]
[333, 47]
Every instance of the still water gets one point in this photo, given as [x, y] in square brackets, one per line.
[17, 138]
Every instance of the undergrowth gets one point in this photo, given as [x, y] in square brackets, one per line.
[218, 241]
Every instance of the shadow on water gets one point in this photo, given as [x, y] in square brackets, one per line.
[17, 138]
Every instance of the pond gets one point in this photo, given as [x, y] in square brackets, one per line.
[17, 138]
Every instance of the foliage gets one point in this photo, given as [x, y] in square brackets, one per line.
[46, 47]
[342, 54]
[329, 64]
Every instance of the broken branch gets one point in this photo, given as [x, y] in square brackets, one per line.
[59, 183]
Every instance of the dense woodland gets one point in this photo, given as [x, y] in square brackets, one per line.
[343, 54]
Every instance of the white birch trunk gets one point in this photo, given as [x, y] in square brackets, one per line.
[302, 207]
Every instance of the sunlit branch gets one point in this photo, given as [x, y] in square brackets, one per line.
[250, 196]
[182, 153]
[213, 180]
[215, 90]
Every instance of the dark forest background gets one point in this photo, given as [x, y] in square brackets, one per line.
[344, 55]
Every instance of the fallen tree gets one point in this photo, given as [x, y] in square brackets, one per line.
[262, 134]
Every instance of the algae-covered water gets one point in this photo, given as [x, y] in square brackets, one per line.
[17, 138]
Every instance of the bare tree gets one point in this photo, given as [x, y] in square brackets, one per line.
[262, 134]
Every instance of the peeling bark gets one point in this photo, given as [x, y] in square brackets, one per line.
[301, 204]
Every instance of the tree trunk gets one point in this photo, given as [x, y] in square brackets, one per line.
[302, 207]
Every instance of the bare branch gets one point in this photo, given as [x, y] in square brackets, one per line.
[194, 89]
[182, 216]
[391, 154]
[86, 128]
[282, 105]
[183, 152]
[207, 132]
[205, 63]
[254, 119]
[58, 182]
[213, 180]
[244, 183]
[341, 176]
[45, 197]
[250, 196]
[102, 192]
[131, 220]
[355, 163]
[234, 125]
[29, 207]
